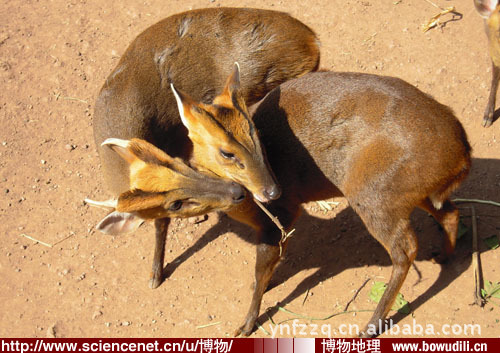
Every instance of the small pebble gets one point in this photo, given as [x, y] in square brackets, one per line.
[198, 219]
[51, 331]
[96, 314]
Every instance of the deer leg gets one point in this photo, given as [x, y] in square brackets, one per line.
[448, 217]
[490, 108]
[270, 250]
[400, 242]
[161, 229]
[268, 258]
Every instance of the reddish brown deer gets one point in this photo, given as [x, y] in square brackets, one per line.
[195, 51]
[490, 10]
[378, 141]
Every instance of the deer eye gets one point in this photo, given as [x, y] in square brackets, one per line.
[176, 205]
[226, 155]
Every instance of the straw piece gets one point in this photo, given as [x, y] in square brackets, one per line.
[478, 299]
[327, 205]
[208, 325]
[280, 308]
[36, 240]
[76, 99]
[260, 327]
[486, 202]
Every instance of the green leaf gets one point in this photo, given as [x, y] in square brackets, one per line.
[462, 229]
[400, 303]
[491, 290]
[492, 242]
[377, 291]
[496, 292]
[487, 286]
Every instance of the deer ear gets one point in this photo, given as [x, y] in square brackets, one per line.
[121, 147]
[233, 81]
[184, 104]
[118, 223]
[485, 7]
[231, 94]
[200, 124]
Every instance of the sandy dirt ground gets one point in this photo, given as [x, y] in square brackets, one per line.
[54, 57]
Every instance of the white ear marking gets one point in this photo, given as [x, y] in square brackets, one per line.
[121, 147]
[180, 106]
[116, 142]
[107, 205]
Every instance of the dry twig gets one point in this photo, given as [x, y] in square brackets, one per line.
[284, 234]
[305, 297]
[356, 294]
[434, 21]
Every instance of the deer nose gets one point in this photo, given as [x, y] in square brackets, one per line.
[272, 192]
[237, 192]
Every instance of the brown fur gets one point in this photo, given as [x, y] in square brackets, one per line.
[196, 51]
[490, 10]
[372, 160]
[378, 141]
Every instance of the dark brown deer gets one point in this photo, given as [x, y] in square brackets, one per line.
[195, 51]
[490, 10]
[378, 141]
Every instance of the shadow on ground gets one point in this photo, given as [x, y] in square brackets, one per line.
[335, 245]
